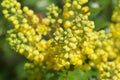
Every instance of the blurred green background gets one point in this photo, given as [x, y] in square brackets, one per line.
[11, 63]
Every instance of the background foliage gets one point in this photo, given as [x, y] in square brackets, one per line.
[11, 64]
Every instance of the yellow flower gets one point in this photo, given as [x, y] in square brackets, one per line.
[65, 37]
[42, 29]
[41, 45]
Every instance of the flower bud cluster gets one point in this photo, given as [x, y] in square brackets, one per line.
[115, 26]
[65, 39]
[115, 16]
[72, 8]
[27, 31]
[33, 71]
[111, 69]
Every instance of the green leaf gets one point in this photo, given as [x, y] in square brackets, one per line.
[104, 3]
[49, 76]
[21, 74]
[100, 24]
[95, 12]
[77, 74]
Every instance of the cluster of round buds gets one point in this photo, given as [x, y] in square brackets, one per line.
[90, 46]
[58, 16]
[16, 15]
[53, 10]
[65, 38]
[53, 14]
[109, 70]
[73, 8]
[12, 9]
[72, 41]
[115, 16]
[115, 31]
[27, 31]
[33, 71]
[115, 26]
[24, 44]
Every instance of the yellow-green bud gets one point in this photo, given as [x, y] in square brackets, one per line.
[19, 11]
[13, 10]
[67, 5]
[18, 5]
[60, 21]
[71, 13]
[25, 9]
[24, 20]
[46, 21]
[67, 24]
[30, 13]
[5, 11]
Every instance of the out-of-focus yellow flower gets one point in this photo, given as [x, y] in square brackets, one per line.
[115, 27]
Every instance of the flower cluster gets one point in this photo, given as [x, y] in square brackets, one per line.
[65, 39]
[115, 26]
[111, 69]
[27, 30]
[34, 71]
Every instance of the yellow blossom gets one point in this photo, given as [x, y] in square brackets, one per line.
[64, 38]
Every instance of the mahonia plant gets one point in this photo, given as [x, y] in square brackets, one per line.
[64, 40]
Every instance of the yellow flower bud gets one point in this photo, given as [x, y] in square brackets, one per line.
[73, 45]
[66, 14]
[13, 10]
[15, 22]
[46, 21]
[30, 13]
[35, 19]
[30, 56]
[60, 21]
[24, 20]
[55, 13]
[75, 3]
[78, 7]
[18, 5]
[67, 5]
[71, 13]
[5, 12]
[73, 39]
[66, 48]
[25, 9]
[53, 21]
[16, 26]
[39, 59]
[67, 24]
[19, 11]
